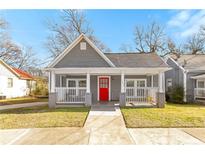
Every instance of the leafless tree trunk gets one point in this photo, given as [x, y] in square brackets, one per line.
[74, 23]
[150, 39]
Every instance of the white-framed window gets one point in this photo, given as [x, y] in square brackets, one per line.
[10, 82]
[77, 86]
[200, 84]
[83, 46]
[134, 87]
[169, 84]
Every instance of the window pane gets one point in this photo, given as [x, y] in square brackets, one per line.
[200, 84]
[10, 82]
[71, 83]
[130, 83]
[82, 83]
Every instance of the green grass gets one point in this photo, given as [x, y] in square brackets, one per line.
[42, 117]
[173, 115]
[21, 100]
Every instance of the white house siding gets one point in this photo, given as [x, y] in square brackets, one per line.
[19, 88]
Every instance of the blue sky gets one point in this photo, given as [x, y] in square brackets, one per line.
[113, 27]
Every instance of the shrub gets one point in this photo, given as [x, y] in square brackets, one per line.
[41, 88]
[177, 94]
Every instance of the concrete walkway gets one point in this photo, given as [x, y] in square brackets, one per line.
[107, 126]
[15, 106]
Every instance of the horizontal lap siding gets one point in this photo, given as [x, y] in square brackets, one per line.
[82, 58]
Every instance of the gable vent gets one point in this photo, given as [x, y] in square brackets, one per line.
[83, 46]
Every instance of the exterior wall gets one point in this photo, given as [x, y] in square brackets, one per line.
[82, 58]
[19, 88]
[176, 74]
[191, 84]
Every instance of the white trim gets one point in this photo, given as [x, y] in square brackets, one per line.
[110, 70]
[122, 82]
[53, 81]
[98, 96]
[88, 83]
[176, 63]
[185, 85]
[73, 44]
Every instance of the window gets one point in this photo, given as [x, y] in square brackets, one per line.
[76, 87]
[83, 46]
[134, 87]
[10, 82]
[200, 84]
[169, 85]
[130, 83]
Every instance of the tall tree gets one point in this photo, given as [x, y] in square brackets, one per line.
[150, 38]
[13, 54]
[73, 23]
[196, 43]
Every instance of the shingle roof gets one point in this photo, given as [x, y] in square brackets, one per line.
[22, 74]
[191, 61]
[136, 60]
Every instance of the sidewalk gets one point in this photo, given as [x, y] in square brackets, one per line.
[15, 106]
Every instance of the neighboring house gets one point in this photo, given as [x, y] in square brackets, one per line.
[14, 82]
[189, 72]
[84, 74]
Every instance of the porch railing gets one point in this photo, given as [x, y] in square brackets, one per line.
[199, 92]
[70, 95]
[141, 94]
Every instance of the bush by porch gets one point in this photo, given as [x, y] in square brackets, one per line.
[173, 115]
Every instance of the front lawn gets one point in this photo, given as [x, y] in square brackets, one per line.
[39, 117]
[20, 100]
[173, 115]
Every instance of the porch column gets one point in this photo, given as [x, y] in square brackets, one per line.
[53, 80]
[52, 94]
[88, 83]
[122, 83]
[122, 93]
[185, 86]
[88, 95]
[161, 93]
[152, 77]
[161, 82]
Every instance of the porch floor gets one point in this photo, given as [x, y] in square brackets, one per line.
[107, 103]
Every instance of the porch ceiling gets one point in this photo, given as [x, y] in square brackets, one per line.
[110, 71]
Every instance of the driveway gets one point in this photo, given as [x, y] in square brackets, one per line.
[104, 125]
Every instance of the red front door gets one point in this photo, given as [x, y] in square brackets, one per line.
[104, 88]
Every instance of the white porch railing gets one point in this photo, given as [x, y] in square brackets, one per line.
[141, 94]
[70, 95]
[199, 92]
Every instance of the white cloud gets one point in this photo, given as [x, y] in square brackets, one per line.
[187, 23]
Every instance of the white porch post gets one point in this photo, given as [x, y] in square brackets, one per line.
[161, 82]
[152, 81]
[53, 80]
[122, 82]
[185, 78]
[88, 83]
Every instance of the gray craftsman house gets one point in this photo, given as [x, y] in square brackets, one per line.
[82, 74]
[189, 72]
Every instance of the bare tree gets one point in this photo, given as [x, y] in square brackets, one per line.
[172, 48]
[126, 48]
[74, 23]
[150, 39]
[195, 44]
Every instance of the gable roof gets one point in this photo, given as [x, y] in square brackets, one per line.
[73, 44]
[17, 72]
[136, 60]
[188, 61]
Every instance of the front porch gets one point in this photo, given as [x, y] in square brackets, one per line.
[124, 89]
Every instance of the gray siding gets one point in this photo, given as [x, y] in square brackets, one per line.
[82, 58]
[176, 74]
